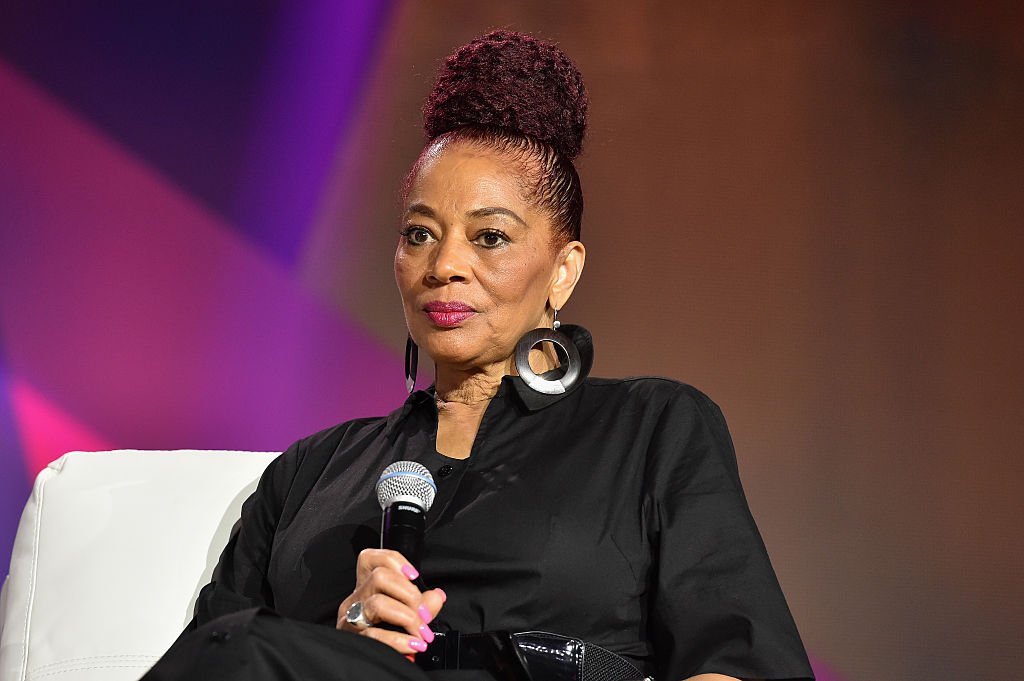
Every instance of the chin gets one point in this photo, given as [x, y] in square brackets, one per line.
[455, 349]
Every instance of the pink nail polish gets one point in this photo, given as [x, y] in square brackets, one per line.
[426, 634]
[417, 645]
[410, 572]
[424, 614]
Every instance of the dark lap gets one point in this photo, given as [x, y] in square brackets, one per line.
[260, 645]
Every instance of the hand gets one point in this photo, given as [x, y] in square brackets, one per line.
[388, 596]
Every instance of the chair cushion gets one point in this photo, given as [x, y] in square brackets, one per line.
[110, 554]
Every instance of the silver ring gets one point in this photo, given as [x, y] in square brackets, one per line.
[356, 616]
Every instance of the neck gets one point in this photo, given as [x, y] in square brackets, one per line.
[462, 396]
[474, 386]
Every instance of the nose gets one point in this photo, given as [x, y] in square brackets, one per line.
[450, 263]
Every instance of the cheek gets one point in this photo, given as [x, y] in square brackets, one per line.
[404, 273]
[520, 282]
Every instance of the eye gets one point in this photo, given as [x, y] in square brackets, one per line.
[491, 239]
[416, 235]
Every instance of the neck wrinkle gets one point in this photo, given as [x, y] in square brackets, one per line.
[480, 385]
[472, 387]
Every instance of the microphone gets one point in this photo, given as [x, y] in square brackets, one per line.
[405, 491]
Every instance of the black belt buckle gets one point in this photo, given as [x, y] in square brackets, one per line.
[442, 653]
[494, 651]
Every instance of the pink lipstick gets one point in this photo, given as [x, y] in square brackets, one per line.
[448, 314]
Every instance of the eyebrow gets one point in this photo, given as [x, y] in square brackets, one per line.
[495, 210]
[422, 209]
[426, 211]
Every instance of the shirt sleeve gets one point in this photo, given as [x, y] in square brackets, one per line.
[716, 603]
[240, 578]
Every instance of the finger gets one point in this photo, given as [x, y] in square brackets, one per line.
[398, 640]
[381, 609]
[370, 559]
[376, 573]
[431, 604]
[384, 580]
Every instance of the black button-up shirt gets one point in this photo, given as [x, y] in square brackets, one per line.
[613, 513]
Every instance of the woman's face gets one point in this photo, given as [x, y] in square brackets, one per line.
[475, 263]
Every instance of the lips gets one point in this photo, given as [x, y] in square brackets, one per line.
[448, 314]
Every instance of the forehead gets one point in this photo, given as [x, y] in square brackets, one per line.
[463, 175]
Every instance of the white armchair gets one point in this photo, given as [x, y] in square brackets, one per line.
[110, 555]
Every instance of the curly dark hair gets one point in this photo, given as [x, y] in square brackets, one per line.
[524, 96]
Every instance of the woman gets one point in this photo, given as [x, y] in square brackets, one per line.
[605, 510]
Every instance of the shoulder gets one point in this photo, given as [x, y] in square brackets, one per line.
[685, 430]
[288, 479]
[327, 440]
[314, 451]
[654, 392]
[306, 458]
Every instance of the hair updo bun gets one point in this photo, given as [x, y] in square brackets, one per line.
[522, 96]
[514, 82]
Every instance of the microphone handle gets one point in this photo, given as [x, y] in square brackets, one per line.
[401, 529]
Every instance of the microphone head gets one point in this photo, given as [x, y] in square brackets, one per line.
[406, 481]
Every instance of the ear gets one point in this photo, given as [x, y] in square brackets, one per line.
[568, 269]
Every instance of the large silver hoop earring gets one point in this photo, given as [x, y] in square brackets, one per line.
[412, 358]
[568, 356]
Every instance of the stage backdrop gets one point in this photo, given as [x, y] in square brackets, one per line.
[811, 211]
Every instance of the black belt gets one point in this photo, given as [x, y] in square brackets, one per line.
[527, 656]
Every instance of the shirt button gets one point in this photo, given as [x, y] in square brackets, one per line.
[220, 636]
[445, 471]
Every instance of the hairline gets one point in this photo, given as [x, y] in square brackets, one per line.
[533, 155]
